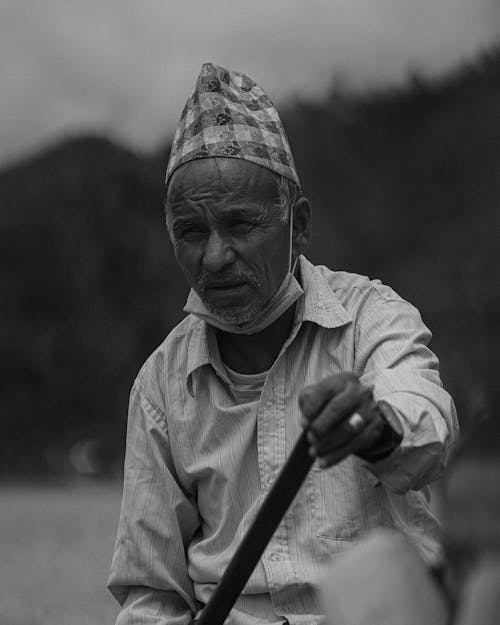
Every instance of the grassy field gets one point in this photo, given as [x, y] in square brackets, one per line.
[56, 544]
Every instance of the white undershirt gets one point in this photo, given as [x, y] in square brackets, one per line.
[246, 387]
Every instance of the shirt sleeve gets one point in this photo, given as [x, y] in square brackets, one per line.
[392, 356]
[158, 519]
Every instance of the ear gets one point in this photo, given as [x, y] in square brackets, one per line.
[301, 235]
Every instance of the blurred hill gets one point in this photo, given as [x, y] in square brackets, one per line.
[404, 186]
[88, 287]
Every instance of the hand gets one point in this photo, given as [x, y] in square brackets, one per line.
[327, 410]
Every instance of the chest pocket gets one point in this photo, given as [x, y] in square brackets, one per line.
[347, 501]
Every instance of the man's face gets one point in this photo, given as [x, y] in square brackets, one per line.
[227, 235]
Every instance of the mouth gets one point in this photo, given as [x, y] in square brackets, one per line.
[226, 285]
[227, 289]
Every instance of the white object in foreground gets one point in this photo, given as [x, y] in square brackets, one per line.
[382, 581]
[480, 602]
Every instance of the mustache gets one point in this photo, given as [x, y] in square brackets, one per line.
[210, 280]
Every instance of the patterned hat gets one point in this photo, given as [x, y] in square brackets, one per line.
[229, 115]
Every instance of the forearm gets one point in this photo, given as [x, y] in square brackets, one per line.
[149, 576]
[148, 606]
[394, 359]
[427, 422]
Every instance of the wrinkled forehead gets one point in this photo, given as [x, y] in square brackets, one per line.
[221, 178]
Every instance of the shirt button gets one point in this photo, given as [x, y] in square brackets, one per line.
[275, 557]
[269, 481]
[269, 404]
[287, 607]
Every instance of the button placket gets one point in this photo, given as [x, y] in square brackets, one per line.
[272, 455]
[265, 445]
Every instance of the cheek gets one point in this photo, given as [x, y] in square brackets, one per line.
[278, 252]
[270, 244]
[188, 260]
[269, 259]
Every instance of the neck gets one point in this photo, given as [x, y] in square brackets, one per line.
[253, 353]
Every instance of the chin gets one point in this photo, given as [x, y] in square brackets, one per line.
[236, 315]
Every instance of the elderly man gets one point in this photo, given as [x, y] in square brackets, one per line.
[271, 344]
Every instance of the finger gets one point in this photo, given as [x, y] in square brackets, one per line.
[340, 435]
[365, 439]
[333, 458]
[370, 436]
[312, 398]
[340, 407]
[349, 427]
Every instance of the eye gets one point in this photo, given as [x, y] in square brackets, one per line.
[194, 233]
[240, 225]
[190, 232]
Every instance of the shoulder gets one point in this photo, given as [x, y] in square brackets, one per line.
[358, 293]
[171, 355]
[381, 318]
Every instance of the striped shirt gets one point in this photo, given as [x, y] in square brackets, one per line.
[204, 446]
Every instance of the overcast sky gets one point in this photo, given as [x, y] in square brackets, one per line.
[125, 67]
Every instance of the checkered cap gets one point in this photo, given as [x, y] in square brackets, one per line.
[229, 115]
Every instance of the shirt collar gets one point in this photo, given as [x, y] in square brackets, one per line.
[319, 304]
[203, 350]
[198, 346]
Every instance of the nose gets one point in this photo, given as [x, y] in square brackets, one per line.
[218, 253]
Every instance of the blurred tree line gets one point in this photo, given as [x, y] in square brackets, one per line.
[404, 185]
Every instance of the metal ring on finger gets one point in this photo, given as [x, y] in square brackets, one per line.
[356, 422]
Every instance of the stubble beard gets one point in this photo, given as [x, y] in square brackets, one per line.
[234, 315]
